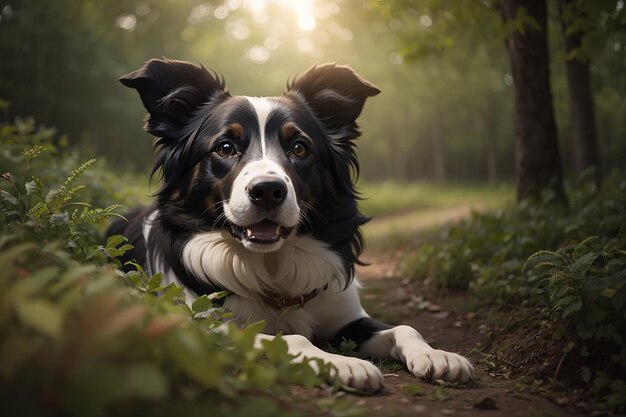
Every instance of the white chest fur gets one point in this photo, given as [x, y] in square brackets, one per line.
[301, 265]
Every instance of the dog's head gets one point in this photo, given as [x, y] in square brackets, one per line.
[262, 168]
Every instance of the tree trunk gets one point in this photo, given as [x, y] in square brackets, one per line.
[580, 97]
[538, 162]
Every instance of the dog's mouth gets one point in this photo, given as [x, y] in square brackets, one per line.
[264, 232]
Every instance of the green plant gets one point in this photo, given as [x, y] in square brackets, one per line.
[29, 213]
[586, 286]
[80, 337]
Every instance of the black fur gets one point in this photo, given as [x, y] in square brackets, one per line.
[190, 111]
[359, 331]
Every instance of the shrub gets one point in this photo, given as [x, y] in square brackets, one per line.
[586, 311]
[79, 337]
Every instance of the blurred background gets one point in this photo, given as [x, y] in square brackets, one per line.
[445, 113]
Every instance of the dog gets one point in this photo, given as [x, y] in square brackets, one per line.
[257, 198]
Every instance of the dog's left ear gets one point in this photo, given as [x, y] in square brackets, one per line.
[171, 91]
[335, 93]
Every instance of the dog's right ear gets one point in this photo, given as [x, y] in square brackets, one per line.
[171, 91]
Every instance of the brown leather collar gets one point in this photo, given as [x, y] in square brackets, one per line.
[278, 302]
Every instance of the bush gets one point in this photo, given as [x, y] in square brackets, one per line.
[540, 256]
[79, 337]
[586, 311]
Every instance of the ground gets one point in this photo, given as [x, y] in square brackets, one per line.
[444, 322]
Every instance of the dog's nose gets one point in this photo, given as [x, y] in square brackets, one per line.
[267, 192]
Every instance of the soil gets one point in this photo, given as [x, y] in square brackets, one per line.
[395, 299]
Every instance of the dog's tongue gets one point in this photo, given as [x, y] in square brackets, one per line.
[265, 230]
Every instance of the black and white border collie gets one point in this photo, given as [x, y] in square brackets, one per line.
[257, 198]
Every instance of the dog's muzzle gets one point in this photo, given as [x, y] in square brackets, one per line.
[262, 210]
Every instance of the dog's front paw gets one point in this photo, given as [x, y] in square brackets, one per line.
[435, 364]
[355, 373]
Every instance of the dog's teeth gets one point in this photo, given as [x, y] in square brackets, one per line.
[248, 233]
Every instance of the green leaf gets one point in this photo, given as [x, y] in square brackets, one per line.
[201, 304]
[172, 292]
[52, 195]
[41, 315]
[247, 335]
[562, 291]
[275, 349]
[115, 240]
[218, 295]
[572, 308]
[6, 196]
[348, 347]
[155, 281]
[565, 300]
[582, 264]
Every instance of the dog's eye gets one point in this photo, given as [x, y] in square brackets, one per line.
[300, 150]
[225, 149]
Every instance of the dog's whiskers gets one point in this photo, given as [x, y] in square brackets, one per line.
[305, 219]
[314, 210]
[215, 222]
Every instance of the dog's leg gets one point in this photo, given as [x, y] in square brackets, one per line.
[353, 372]
[405, 344]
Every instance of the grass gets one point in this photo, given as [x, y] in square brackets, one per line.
[409, 213]
[391, 197]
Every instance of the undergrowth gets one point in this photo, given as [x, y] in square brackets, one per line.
[78, 337]
[562, 268]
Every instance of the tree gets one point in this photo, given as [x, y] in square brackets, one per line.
[538, 162]
[523, 26]
[576, 24]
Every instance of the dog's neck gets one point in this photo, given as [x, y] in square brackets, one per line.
[302, 265]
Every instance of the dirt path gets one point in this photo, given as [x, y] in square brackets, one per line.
[391, 297]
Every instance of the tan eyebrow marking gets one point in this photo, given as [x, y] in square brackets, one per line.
[288, 130]
[236, 130]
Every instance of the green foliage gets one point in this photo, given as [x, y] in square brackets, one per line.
[77, 341]
[538, 255]
[79, 337]
[586, 290]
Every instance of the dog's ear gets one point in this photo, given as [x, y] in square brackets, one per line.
[335, 93]
[171, 91]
